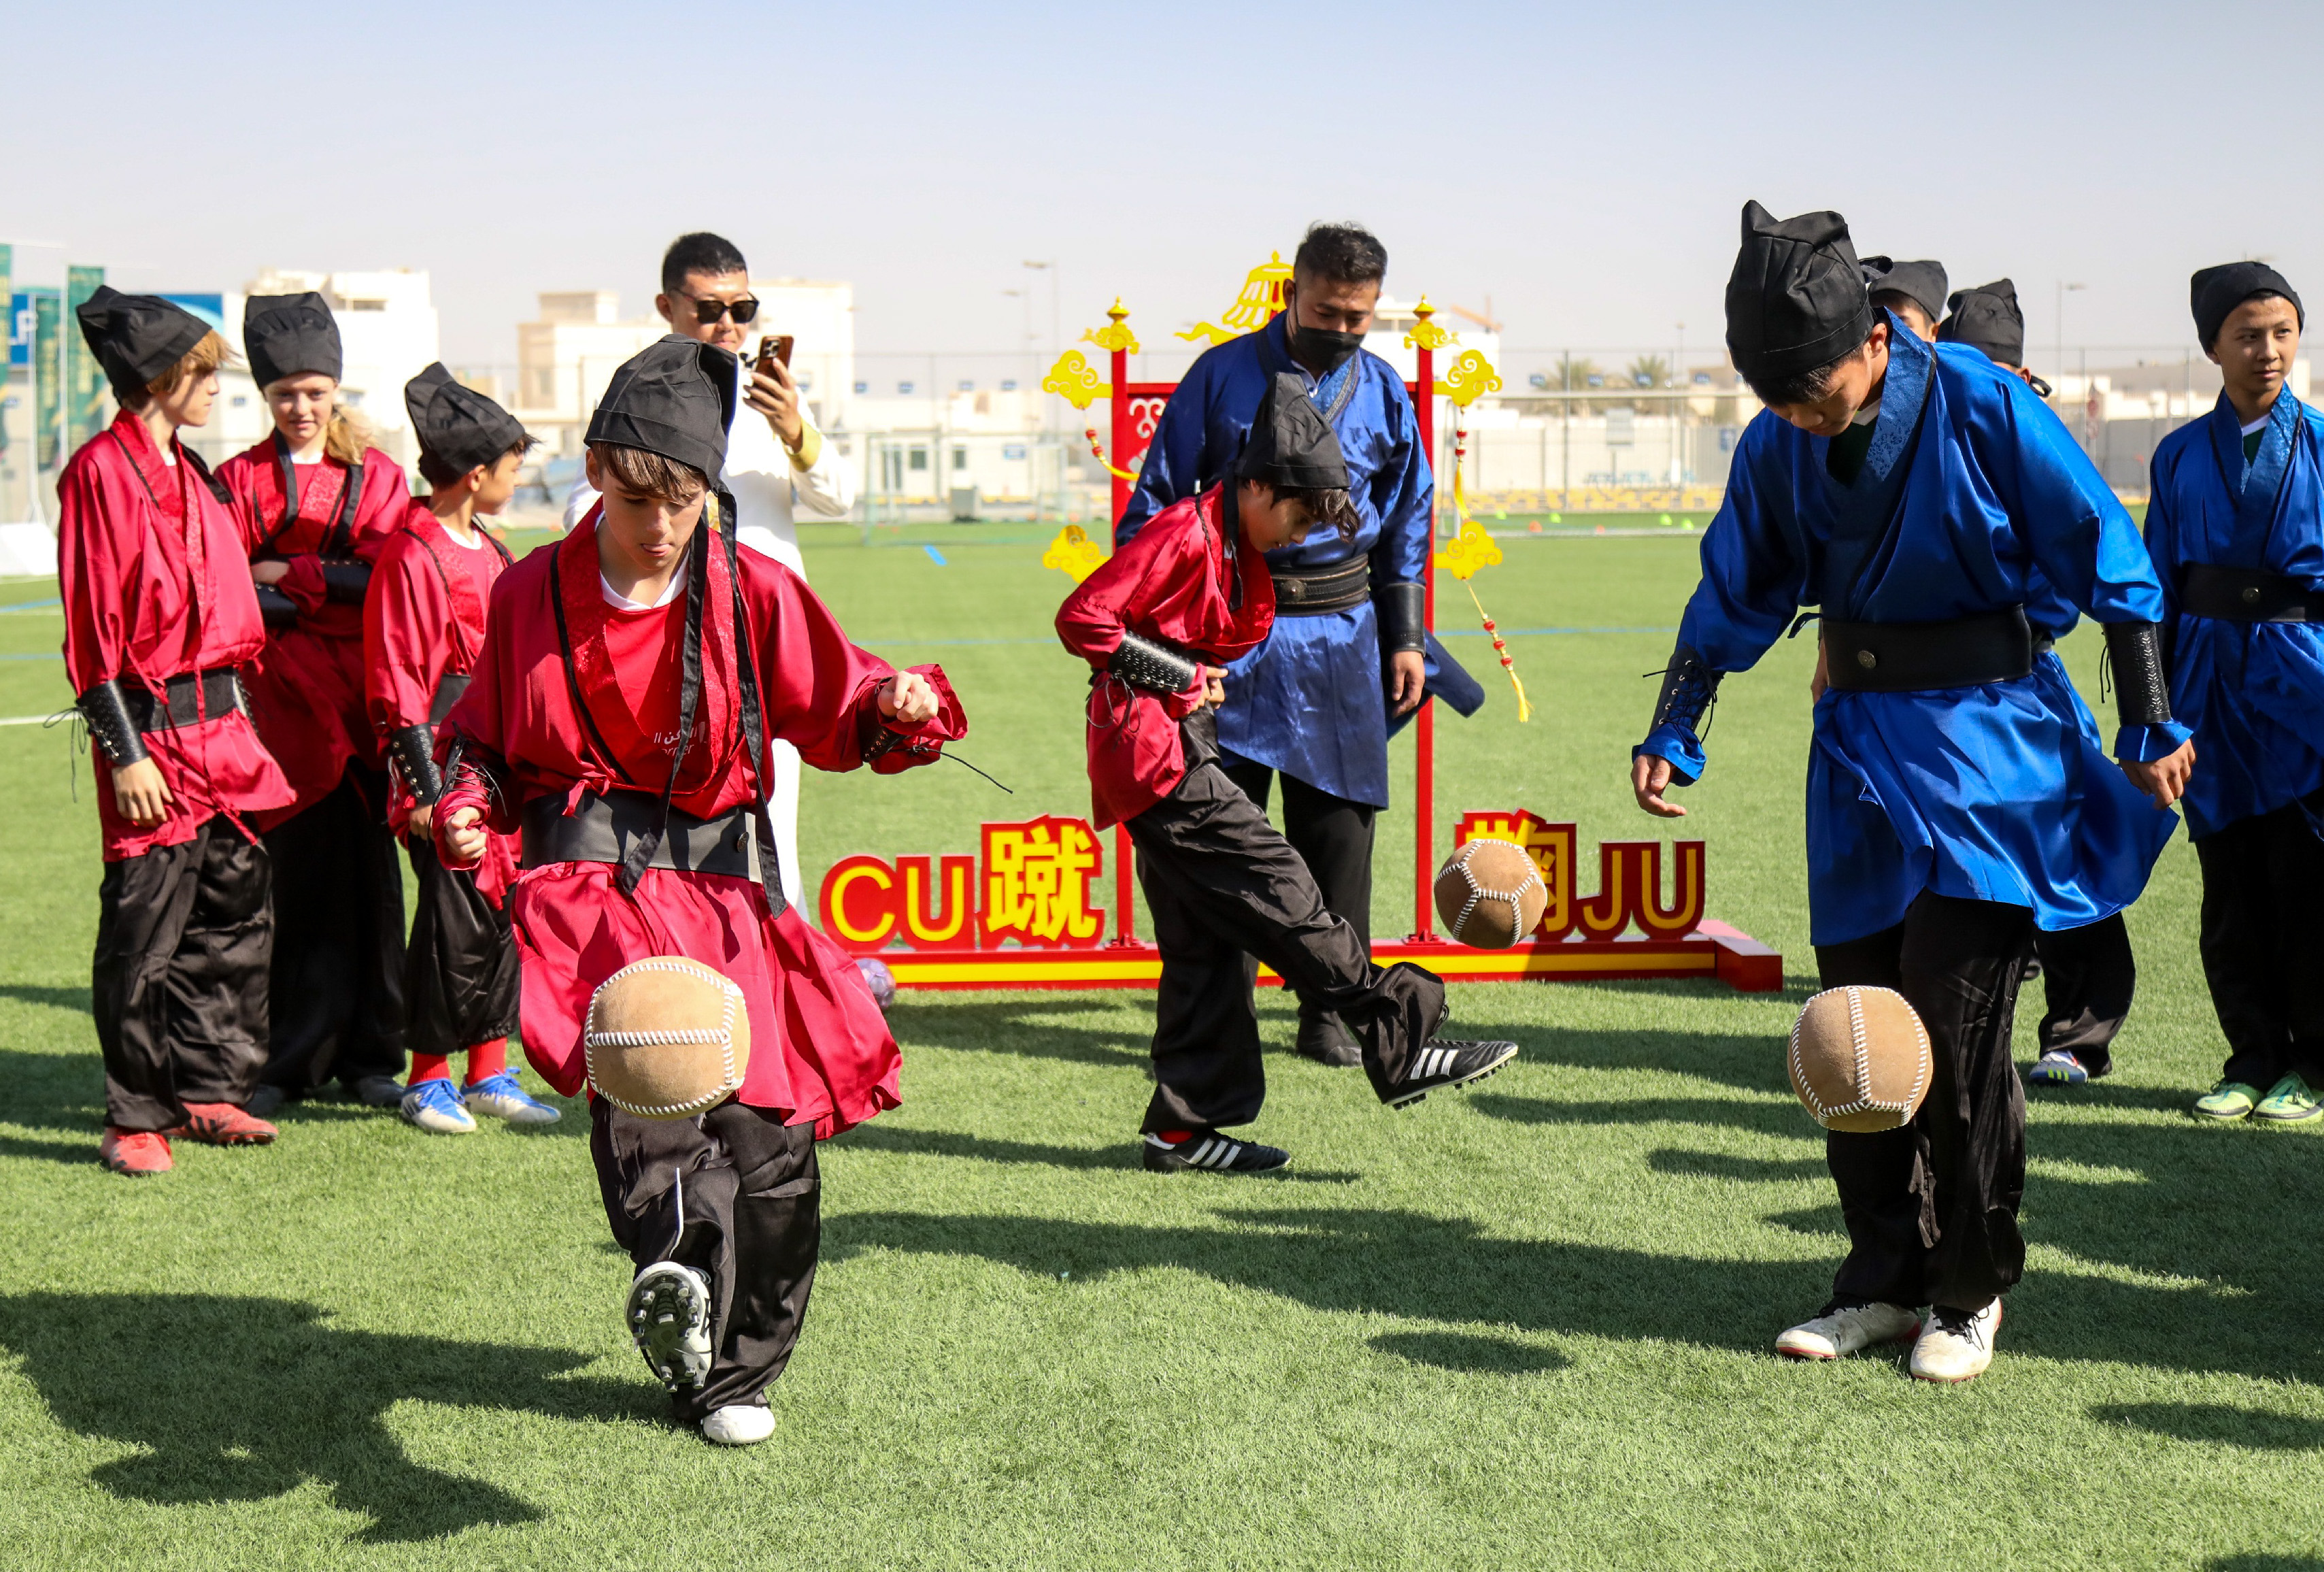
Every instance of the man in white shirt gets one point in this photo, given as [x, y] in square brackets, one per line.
[778, 465]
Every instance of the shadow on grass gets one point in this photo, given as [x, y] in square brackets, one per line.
[2256, 1428]
[74, 1000]
[1428, 1268]
[64, 1151]
[1471, 1355]
[2206, 1189]
[1014, 1026]
[1763, 1118]
[1757, 1171]
[244, 1399]
[1123, 1158]
[2264, 1561]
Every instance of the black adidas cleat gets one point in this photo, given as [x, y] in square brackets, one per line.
[1440, 1064]
[1214, 1152]
[668, 1313]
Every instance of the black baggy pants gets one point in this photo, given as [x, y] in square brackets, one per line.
[460, 979]
[2087, 977]
[1333, 836]
[178, 982]
[338, 954]
[2264, 945]
[734, 1194]
[1221, 883]
[1932, 1206]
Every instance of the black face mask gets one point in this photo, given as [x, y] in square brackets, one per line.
[1321, 350]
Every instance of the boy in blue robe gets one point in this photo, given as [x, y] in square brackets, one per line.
[2088, 974]
[1953, 802]
[2236, 526]
[1350, 658]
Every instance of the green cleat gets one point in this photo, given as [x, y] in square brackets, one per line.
[2288, 1102]
[2227, 1100]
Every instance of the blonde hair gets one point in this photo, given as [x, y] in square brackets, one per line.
[205, 358]
[347, 435]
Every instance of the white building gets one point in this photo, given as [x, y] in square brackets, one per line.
[388, 332]
[567, 355]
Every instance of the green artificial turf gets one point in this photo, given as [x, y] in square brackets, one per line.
[1526, 1328]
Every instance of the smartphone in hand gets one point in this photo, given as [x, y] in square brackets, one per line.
[772, 348]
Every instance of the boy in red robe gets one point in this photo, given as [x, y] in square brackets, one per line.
[631, 678]
[159, 617]
[1189, 593]
[423, 625]
[317, 506]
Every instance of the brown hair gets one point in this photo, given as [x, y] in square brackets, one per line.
[1324, 505]
[440, 473]
[204, 357]
[651, 475]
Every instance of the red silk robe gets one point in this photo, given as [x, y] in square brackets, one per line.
[820, 1050]
[1176, 580]
[155, 585]
[424, 621]
[307, 690]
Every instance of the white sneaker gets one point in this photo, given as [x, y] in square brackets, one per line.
[1958, 1345]
[1842, 1329]
[668, 1313]
[741, 1424]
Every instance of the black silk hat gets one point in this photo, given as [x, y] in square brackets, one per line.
[1921, 282]
[1291, 445]
[458, 424]
[2216, 290]
[136, 337]
[675, 397]
[289, 336]
[1988, 317]
[1796, 300]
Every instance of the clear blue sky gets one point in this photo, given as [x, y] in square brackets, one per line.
[1581, 164]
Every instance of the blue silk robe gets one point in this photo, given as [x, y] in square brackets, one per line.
[1993, 792]
[2254, 692]
[1310, 701]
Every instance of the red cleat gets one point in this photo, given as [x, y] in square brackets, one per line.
[133, 1152]
[224, 1124]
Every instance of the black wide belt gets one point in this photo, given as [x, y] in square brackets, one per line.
[447, 694]
[1333, 588]
[1995, 646]
[2242, 595]
[603, 828]
[220, 694]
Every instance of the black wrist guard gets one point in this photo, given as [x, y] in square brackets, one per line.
[1151, 664]
[2142, 694]
[346, 581]
[276, 609]
[1689, 690]
[413, 748]
[106, 712]
[1403, 611]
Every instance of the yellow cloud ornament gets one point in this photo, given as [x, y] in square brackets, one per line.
[1072, 553]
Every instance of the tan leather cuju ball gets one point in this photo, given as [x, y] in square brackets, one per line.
[1489, 894]
[1859, 1059]
[667, 1037]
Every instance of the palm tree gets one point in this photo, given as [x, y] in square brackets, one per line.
[1569, 373]
[1650, 371]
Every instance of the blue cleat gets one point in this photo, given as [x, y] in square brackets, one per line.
[434, 1106]
[501, 1097]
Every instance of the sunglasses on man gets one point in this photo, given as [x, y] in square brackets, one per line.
[744, 310]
